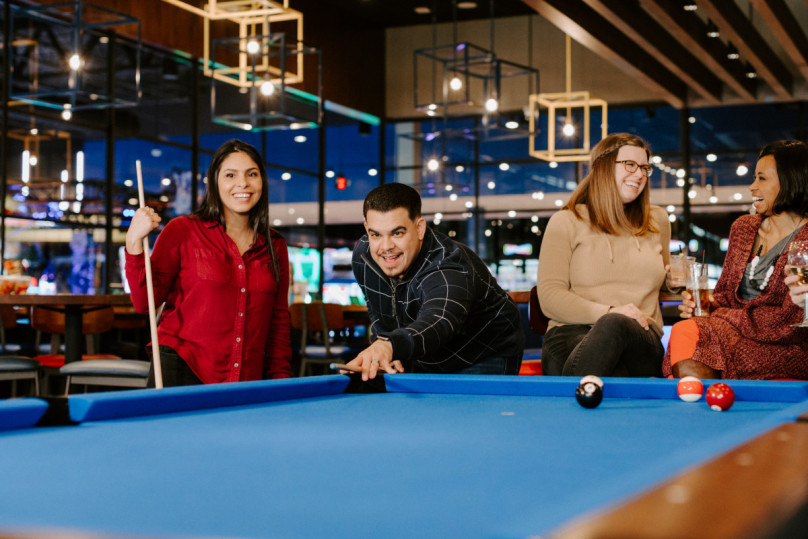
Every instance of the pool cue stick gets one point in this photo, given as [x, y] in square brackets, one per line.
[158, 367]
[344, 367]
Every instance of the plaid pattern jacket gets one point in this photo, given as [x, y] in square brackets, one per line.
[446, 313]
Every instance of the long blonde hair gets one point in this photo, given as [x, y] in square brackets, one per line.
[598, 191]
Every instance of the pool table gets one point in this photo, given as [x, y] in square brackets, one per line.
[406, 456]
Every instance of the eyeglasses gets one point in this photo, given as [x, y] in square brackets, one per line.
[631, 166]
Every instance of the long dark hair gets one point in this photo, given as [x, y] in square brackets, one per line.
[212, 209]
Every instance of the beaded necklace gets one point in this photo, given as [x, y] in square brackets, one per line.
[753, 266]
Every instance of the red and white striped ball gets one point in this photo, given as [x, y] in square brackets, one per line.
[690, 389]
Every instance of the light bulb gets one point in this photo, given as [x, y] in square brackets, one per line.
[74, 62]
[568, 129]
[491, 105]
[267, 88]
[456, 83]
[432, 164]
[253, 46]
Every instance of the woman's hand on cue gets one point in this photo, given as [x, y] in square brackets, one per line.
[144, 221]
[632, 311]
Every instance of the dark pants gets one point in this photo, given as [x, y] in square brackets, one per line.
[494, 365]
[175, 371]
[615, 346]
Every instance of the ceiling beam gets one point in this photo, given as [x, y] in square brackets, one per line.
[592, 31]
[691, 32]
[780, 20]
[737, 28]
[652, 37]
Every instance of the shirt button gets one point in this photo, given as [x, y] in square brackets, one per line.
[239, 266]
[241, 314]
[235, 364]
[238, 339]
[243, 290]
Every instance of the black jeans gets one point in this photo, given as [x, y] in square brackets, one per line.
[494, 365]
[615, 346]
[175, 371]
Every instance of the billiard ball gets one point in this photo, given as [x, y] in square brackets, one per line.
[720, 397]
[689, 389]
[592, 378]
[589, 394]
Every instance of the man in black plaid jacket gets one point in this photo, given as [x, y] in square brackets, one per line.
[433, 304]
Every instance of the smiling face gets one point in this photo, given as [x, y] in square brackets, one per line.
[240, 185]
[395, 239]
[630, 184]
[766, 186]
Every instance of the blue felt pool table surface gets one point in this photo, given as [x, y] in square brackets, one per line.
[434, 456]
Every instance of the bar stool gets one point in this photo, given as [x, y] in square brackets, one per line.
[16, 368]
[95, 321]
[130, 373]
[315, 321]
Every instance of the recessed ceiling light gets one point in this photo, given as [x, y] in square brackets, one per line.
[423, 10]
[466, 5]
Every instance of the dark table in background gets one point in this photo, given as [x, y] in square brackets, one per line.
[73, 305]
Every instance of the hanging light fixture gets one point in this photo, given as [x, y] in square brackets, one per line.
[732, 52]
[76, 80]
[270, 103]
[565, 150]
[260, 64]
[462, 78]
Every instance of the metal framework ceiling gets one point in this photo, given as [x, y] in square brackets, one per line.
[658, 43]
[665, 45]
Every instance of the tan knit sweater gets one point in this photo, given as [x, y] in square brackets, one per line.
[583, 272]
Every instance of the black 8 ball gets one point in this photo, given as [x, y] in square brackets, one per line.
[589, 394]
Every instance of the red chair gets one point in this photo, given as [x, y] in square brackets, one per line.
[538, 324]
[94, 321]
[9, 321]
[316, 321]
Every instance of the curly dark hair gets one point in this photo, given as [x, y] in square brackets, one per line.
[791, 159]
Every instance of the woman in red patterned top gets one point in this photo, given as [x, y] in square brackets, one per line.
[748, 334]
[223, 275]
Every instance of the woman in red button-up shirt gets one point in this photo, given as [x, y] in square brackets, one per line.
[225, 287]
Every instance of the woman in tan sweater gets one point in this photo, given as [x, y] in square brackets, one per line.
[602, 264]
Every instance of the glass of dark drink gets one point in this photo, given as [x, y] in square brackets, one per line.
[698, 287]
[798, 265]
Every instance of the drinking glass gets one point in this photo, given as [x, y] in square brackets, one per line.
[798, 265]
[677, 276]
[698, 287]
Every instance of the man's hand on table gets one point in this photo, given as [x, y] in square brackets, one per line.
[377, 356]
